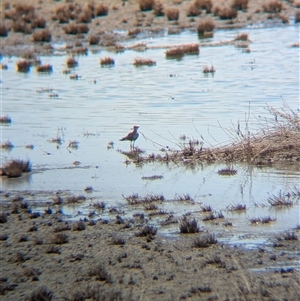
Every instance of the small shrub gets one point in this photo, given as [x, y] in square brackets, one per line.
[34, 215]
[226, 13]
[3, 236]
[94, 40]
[206, 208]
[61, 228]
[71, 62]
[118, 241]
[172, 14]
[143, 62]
[39, 23]
[179, 51]
[75, 199]
[24, 66]
[146, 5]
[189, 226]
[42, 36]
[193, 10]
[107, 61]
[79, 226]
[273, 6]
[52, 250]
[204, 241]
[44, 68]
[23, 238]
[158, 8]
[5, 119]
[41, 294]
[287, 236]
[237, 207]
[205, 26]
[280, 200]
[3, 30]
[60, 238]
[183, 198]
[204, 4]
[101, 10]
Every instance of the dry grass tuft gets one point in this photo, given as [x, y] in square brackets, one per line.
[280, 200]
[94, 40]
[75, 29]
[204, 241]
[60, 238]
[42, 36]
[146, 5]
[188, 226]
[7, 145]
[228, 171]
[24, 66]
[205, 26]
[107, 61]
[273, 6]
[5, 119]
[3, 217]
[101, 273]
[180, 51]
[240, 4]
[207, 69]
[75, 199]
[3, 30]
[44, 68]
[225, 13]
[101, 10]
[143, 62]
[297, 17]
[79, 226]
[172, 14]
[41, 294]
[147, 231]
[158, 8]
[287, 236]
[71, 62]
[236, 207]
[15, 168]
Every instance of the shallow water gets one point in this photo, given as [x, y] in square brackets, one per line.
[168, 100]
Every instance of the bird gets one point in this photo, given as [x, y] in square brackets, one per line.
[132, 136]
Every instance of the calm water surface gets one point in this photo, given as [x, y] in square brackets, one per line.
[167, 100]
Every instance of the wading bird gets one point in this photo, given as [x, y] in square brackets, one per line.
[132, 136]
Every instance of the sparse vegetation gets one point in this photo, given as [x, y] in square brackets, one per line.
[179, 51]
[42, 36]
[71, 62]
[236, 207]
[204, 241]
[15, 168]
[146, 5]
[143, 62]
[101, 273]
[172, 14]
[24, 66]
[280, 200]
[147, 231]
[44, 68]
[212, 216]
[5, 119]
[60, 238]
[228, 171]
[273, 6]
[207, 69]
[188, 226]
[79, 226]
[107, 61]
[41, 294]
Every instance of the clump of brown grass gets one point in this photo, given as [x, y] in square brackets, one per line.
[146, 5]
[101, 273]
[75, 199]
[15, 168]
[3, 30]
[228, 171]
[143, 62]
[158, 8]
[24, 66]
[280, 200]
[204, 241]
[172, 14]
[60, 238]
[188, 226]
[5, 119]
[240, 4]
[42, 36]
[225, 13]
[236, 207]
[42, 293]
[179, 51]
[242, 37]
[204, 4]
[205, 26]
[39, 23]
[94, 39]
[75, 29]
[297, 16]
[273, 6]
[107, 61]
[147, 231]
[44, 68]
[71, 62]
[101, 10]
[79, 226]
[194, 10]
[7, 145]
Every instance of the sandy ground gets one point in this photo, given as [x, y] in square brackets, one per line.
[105, 260]
[126, 17]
